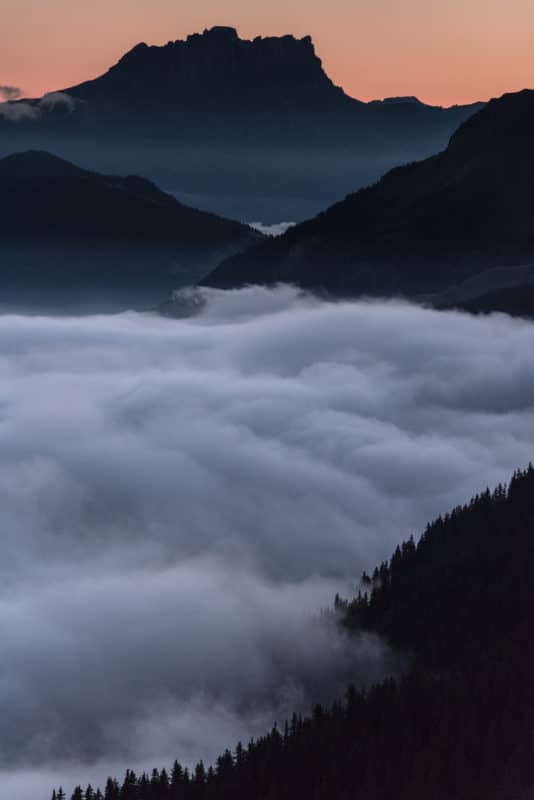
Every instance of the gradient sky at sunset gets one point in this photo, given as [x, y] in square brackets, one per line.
[444, 51]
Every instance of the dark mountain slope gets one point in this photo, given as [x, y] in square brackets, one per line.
[66, 233]
[252, 125]
[422, 227]
[463, 588]
[458, 725]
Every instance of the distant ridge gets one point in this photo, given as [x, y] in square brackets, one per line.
[216, 68]
[217, 71]
[69, 235]
[423, 226]
[254, 129]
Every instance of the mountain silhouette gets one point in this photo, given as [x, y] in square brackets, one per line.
[254, 129]
[66, 232]
[261, 88]
[423, 227]
[215, 69]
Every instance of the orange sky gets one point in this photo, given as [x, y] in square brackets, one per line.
[444, 51]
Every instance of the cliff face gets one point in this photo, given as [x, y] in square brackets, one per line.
[267, 92]
[212, 68]
[274, 86]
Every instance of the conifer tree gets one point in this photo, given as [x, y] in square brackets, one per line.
[112, 791]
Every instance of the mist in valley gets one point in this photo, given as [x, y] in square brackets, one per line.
[181, 499]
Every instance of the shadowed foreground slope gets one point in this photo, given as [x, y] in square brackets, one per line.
[460, 605]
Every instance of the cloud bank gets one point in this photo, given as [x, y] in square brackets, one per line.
[180, 498]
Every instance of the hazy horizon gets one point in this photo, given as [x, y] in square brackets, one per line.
[376, 50]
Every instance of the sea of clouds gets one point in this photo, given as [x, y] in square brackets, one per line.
[179, 499]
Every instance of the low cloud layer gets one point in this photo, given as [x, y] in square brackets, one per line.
[180, 499]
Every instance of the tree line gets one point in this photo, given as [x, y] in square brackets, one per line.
[459, 604]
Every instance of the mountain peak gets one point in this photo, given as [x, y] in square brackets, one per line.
[221, 32]
[505, 124]
[212, 68]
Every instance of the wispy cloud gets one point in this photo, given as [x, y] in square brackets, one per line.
[10, 92]
[276, 229]
[26, 110]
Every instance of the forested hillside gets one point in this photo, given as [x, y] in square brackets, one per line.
[457, 726]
